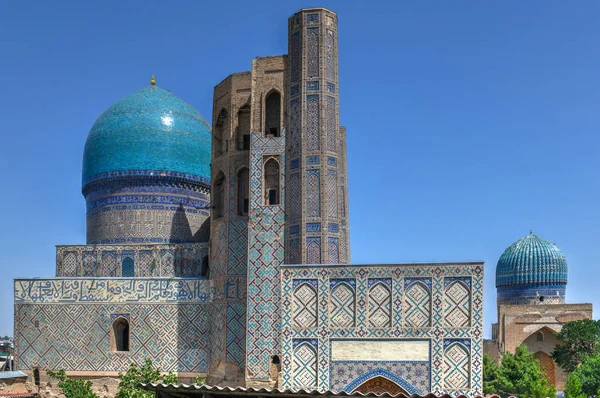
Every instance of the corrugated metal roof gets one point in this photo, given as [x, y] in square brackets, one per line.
[192, 389]
[12, 375]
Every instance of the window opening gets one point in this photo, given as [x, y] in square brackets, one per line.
[219, 195]
[271, 182]
[120, 334]
[273, 114]
[243, 191]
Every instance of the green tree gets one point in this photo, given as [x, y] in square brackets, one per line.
[72, 388]
[200, 380]
[573, 388]
[518, 374]
[147, 373]
[491, 373]
[579, 340]
[589, 374]
[170, 378]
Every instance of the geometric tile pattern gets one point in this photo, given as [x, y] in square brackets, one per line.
[313, 128]
[266, 252]
[78, 290]
[305, 306]
[396, 281]
[106, 260]
[417, 306]
[342, 306]
[457, 372]
[313, 193]
[236, 333]
[333, 251]
[118, 212]
[380, 306]
[347, 375]
[305, 366]
[313, 52]
[457, 311]
[77, 336]
[70, 264]
[332, 201]
[331, 127]
[313, 250]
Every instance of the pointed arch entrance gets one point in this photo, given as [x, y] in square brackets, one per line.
[547, 365]
[380, 385]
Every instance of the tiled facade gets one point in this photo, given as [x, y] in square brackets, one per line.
[235, 263]
[165, 260]
[64, 323]
[323, 304]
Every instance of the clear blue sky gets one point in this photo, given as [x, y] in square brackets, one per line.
[468, 122]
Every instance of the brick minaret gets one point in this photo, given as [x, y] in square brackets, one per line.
[317, 210]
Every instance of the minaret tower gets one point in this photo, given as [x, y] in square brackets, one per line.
[317, 206]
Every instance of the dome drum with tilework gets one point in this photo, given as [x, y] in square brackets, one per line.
[146, 171]
[532, 270]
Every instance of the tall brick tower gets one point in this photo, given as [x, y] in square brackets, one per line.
[317, 205]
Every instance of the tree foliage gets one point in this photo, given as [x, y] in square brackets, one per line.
[573, 388]
[517, 374]
[170, 378]
[580, 339]
[72, 388]
[146, 373]
[588, 374]
[200, 380]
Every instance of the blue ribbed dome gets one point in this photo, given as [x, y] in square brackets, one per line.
[531, 260]
[531, 267]
[149, 131]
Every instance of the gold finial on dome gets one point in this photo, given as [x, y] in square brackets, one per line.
[152, 81]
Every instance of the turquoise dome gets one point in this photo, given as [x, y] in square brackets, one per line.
[149, 132]
[531, 267]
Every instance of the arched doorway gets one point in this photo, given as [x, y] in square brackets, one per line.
[547, 365]
[380, 385]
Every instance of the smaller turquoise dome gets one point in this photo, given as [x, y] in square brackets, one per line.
[151, 131]
[531, 267]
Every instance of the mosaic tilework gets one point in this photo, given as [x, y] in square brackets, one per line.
[265, 255]
[417, 305]
[313, 124]
[411, 376]
[397, 281]
[329, 55]
[151, 210]
[167, 260]
[305, 306]
[295, 134]
[333, 251]
[305, 366]
[457, 310]
[457, 367]
[331, 126]
[332, 200]
[144, 131]
[238, 247]
[77, 336]
[313, 193]
[110, 290]
[295, 199]
[342, 305]
[313, 250]
[236, 333]
[295, 57]
[380, 306]
[312, 49]
[70, 264]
